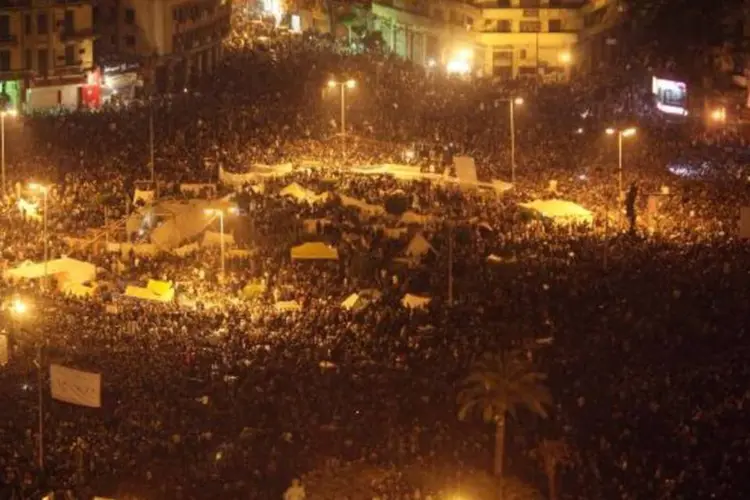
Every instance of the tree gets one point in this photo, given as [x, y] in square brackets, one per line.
[499, 384]
[553, 453]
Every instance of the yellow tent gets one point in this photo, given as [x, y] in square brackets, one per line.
[314, 251]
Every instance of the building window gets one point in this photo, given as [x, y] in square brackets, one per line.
[5, 26]
[130, 16]
[503, 3]
[530, 4]
[69, 24]
[70, 55]
[530, 26]
[42, 26]
[555, 26]
[27, 24]
[130, 41]
[555, 3]
[522, 54]
[504, 26]
[28, 57]
[42, 62]
[4, 60]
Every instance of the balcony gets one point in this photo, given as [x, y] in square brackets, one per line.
[8, 40]
[77, 34]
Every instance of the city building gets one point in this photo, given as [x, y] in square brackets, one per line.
[46, 53]
[497, 38]
[161, 45]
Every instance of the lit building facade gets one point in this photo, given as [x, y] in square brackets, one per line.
[162, 45]
[46, 53]
[507, 38]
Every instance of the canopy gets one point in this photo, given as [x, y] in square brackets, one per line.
[418, 246]
[560, 210]
[360, 300]
[156, 290]
[314, 251]
[301, 194]
[415, 301]
[75, 271]
[407, 172]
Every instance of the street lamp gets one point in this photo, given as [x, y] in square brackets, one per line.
[719, 115]
[218, 212]
[348, 84]
[19, 309]
[44, 190]
[3, 114]
[628, 132]
[512, 103]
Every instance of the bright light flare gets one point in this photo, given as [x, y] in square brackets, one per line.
[332, 83]
[719, 115]
[628, 132]
[18, 307]
[9, 112]
[611, 131]
[565, 57]
[351, 84]
[518, 101]
[458, 67]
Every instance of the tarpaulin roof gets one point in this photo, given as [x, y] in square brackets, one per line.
[314, 251]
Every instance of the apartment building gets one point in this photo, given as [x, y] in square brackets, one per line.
[46, 53]
[505, 38]
[162, 45]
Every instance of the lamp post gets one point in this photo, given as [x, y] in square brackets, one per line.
[512, 103]
[19, 309]
[3, 114]
[44, 190]
[151, 145]
[621, 133]
[218, 212]
[348, 84]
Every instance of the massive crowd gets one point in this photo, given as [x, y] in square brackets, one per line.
[221, 394]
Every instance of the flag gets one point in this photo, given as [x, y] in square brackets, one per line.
[76, 387]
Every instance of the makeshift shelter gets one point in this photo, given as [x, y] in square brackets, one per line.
[184, 221]
[418, 247]
[501, 186]
[155, 290]
[560, 211]
[314, 251]
[415, 301]
[301, 194]
[69, 270]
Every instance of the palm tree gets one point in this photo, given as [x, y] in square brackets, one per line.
[553, 453]
[499, 384]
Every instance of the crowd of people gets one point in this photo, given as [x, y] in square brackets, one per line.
[223, 394]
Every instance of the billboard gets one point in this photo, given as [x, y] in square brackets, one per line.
[670, 96]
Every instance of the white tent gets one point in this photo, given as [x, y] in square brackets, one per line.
[415, 301]
[314, 251]
[74, 271]
[418, 246]
[360, 300]
[350, 301]
[561, 211]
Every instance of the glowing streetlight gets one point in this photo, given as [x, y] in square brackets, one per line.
[3, 114]
[512, 103]
[347, 84]
[719, 115]
[628, 132]
[44, 190]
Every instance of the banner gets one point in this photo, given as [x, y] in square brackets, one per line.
[3, 350]
[466, 170]
[75, 386]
